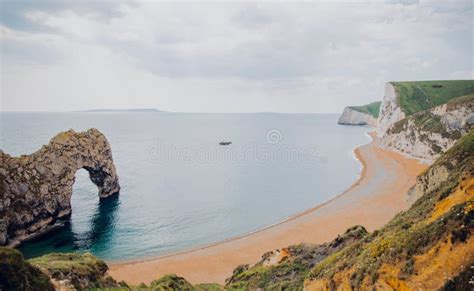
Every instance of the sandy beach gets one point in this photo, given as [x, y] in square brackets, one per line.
[375, 198]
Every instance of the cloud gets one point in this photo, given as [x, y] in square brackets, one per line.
[297, 57]
[15, 13]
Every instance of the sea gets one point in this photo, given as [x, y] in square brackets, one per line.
[181, 188]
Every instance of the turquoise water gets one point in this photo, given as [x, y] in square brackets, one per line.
[180, 188]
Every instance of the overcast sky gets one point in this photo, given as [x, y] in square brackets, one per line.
[225, 57]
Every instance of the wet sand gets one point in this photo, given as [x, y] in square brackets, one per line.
[374, 199]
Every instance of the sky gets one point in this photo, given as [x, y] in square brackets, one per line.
[295, 57]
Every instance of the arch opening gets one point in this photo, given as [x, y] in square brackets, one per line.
[83, 201]
[92, 220]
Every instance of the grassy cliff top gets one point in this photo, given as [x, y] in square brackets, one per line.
[372, 108]
[81, 271]
[421, 95]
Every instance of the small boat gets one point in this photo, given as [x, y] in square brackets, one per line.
[225, 143]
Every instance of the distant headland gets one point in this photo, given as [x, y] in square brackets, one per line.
[123, 110]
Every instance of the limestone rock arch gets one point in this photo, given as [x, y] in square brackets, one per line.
[36, 189]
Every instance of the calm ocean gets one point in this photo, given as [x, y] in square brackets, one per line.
[180, 188]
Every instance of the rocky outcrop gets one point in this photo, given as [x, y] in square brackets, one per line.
[427, 134]
[351, 116]
[36, 189]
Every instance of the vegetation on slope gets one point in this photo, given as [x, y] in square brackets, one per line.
[173, 282]
[18, 274]
[76, 270]
[372, 108]
[427, 122]
[416, 96]
[292, 270]
[463, 281]
[422, 247]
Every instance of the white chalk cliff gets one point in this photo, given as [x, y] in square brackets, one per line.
[351, 116]
[390, 112]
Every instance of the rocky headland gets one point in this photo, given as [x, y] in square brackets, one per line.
[36, 189]
[361, 115]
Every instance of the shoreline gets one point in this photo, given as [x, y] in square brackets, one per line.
[215, 262]
[362, 174]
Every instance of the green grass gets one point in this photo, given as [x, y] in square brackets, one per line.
[208, 287]
[416, 96]
[171, 282]
[372, 108]
[83, 270]
[467, 100]
[81, 264]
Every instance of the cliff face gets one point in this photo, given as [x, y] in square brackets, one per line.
[353, 117]
[390, 112]
[36, 189]
[427, 133]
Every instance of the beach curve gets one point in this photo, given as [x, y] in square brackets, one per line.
[378, 194]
